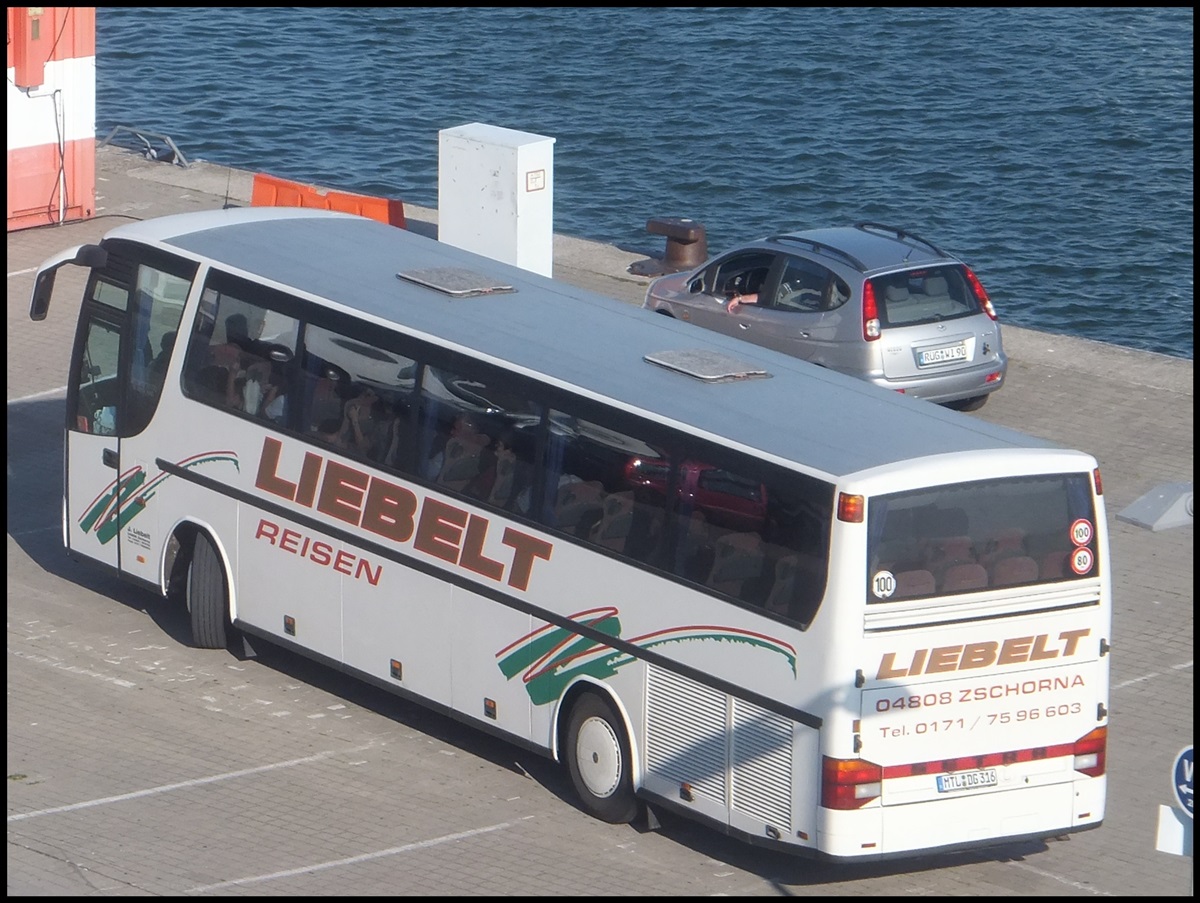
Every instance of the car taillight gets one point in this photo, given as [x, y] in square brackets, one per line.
[977, 287]
[849, 783]
[871, 313]
[1090, 752]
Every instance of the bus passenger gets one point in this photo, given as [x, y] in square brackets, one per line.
[508, 474]
[238, 345]
[274, 402]
[158, 366]
[333, 431]
[465, 440]
[329, 395]
[368, 418]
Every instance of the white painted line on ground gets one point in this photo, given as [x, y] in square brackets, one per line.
[22, 272]
[1136, 680]
[19, 533]
[1183, 666]
[183, 785]
[37, 396]
[71, 669]
[1077, 885]
[349, 860]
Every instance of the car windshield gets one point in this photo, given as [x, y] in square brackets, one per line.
[924, 296]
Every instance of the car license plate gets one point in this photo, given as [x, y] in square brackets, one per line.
[966, 780]
[941, 355]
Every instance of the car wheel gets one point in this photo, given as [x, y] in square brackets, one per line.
[598, 760]
[968, 404]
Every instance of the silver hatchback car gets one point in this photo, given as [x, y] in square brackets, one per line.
[869, 300]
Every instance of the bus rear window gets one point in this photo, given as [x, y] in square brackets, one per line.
[980, 536]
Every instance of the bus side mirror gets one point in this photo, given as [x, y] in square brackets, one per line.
[90, 256]
[43, 288]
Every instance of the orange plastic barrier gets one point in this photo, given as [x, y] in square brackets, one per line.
[272, 191]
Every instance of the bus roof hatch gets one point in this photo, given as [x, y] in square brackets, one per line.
[457, 282]
[708, 366]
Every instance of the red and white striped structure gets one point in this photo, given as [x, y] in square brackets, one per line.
[51, 114]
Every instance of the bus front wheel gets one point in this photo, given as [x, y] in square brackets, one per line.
[598, 760]
[207, 595]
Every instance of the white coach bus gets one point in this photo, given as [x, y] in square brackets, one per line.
[706, 577]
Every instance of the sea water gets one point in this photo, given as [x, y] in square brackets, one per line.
[1049, 148]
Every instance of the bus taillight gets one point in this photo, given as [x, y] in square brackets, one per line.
[849, 783]
[1096, 480]
[851, 508]
[1091, 752]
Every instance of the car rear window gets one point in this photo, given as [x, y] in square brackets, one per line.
[923, 296]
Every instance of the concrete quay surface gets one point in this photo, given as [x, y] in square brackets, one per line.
[138, 765]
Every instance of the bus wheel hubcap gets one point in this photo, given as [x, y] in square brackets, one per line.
[598, 755]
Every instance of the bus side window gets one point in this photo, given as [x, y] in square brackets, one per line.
[796, 586]
[98, 384]
[608, 491]
[203, 378]
[475, 435]
[695, 546]
[783, 585]
[156, 310]
[738, 564]
[799, 512]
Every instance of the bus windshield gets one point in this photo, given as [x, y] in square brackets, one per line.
[986, 534]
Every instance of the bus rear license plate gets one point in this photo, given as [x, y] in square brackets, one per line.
[941, 355]
[966, 780]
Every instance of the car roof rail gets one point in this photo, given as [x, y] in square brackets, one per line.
[822, 248]
[867, 226]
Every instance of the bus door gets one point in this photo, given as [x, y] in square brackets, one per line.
[92, 454]
[128, 320]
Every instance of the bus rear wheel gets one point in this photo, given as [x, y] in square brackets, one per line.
[599, 761]
[207, 595]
